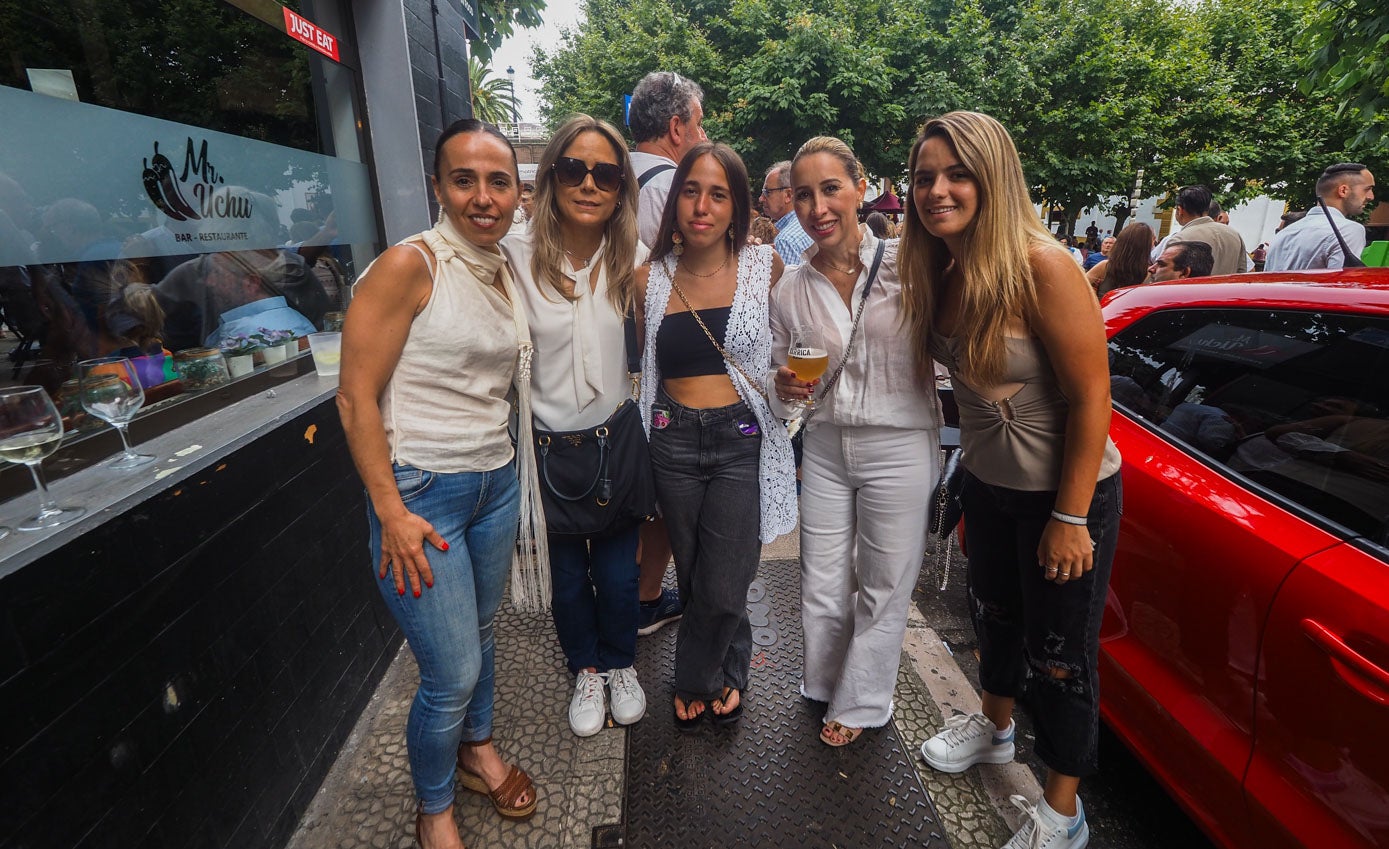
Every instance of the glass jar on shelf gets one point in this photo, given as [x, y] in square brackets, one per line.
[201, 368]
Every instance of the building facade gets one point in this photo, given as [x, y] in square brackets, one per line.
[183, 651]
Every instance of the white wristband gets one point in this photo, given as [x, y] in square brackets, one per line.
[1069, 519]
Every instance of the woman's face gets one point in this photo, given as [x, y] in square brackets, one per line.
[587, 205]
[827, 200]
[945, 193]
[477, 186]
[704, 209]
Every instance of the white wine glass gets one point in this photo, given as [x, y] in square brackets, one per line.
[30, 430]
[807, 356]
[111, 391]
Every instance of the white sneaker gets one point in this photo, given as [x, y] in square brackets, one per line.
[626, 697]
[1043, 828]
[587, 708]
[965, 741]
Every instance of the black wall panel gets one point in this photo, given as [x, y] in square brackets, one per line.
[184, 675]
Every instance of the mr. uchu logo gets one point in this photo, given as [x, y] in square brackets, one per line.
[170, 190]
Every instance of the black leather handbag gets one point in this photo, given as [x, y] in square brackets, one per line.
[597, 481]
[946, 507]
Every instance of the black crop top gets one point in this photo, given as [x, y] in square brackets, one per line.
[682, 349]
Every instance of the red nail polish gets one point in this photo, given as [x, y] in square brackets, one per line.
[417, 593]
[402, 591]
[429, 584]
[445, 545]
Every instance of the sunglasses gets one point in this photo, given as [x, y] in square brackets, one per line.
[571, 172]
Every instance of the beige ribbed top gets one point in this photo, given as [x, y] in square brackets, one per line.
[446, 405]
[1016, 442]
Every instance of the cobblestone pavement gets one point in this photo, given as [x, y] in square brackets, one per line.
[366, 799]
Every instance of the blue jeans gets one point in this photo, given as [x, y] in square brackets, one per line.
[1028, 625]
[449, 626]
[594, 585]
[706, 465]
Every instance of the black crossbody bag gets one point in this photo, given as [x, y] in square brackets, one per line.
[597, 481]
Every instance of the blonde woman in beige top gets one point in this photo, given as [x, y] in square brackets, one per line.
[872, 446]
[430, 346]
[992, 296]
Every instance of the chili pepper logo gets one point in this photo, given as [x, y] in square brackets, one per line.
[163, 189]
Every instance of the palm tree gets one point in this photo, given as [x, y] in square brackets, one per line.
[493, 99]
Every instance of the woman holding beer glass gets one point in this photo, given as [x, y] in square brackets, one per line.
[872, 443]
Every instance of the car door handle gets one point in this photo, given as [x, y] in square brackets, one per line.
[1361, 673]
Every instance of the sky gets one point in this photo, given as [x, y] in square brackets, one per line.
[516, 52]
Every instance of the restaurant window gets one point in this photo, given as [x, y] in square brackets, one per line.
[175, 180]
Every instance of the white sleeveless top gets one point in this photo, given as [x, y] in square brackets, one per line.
[446, 405]
[748, 340]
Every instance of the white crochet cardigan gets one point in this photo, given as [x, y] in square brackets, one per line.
[749, 341]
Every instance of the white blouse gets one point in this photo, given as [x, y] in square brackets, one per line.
[579, 374]
[879, 385]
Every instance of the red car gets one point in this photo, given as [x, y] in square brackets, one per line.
[1245, 649]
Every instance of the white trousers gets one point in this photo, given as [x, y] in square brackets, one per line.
[864, 503]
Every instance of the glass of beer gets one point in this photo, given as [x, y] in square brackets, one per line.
[807, 356]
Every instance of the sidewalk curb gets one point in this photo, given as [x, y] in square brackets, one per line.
[947, 686]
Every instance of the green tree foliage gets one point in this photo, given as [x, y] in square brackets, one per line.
[492, 97]
[1347, 47]
[499, 20]
[1092, 90]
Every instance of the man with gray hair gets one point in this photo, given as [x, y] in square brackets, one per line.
[777, 200]
[1312, 242]
[665, 116]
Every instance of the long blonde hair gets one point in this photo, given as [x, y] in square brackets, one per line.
[619, 257]
[994, 268]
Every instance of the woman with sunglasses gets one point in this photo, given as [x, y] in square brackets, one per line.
[574, 267]
[725, 478]
[426, 422]
[992, 296]
[872, 445]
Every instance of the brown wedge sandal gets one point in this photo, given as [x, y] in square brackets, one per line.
[505, 798]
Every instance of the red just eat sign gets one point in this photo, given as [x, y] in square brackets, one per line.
[304, 30]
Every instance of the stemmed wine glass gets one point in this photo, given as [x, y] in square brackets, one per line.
[31, 429]
[807, 356]
[111, 391]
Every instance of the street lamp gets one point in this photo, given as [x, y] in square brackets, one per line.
[515, 117]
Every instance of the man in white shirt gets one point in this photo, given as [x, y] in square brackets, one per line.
[666, 113]
[1226, 245]
[1311, 242]
[778, 201]
[665, 116]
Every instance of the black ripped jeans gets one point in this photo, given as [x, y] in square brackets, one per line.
[1028, 626]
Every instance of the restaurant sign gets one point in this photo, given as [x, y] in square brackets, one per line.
[185, 188]
[305, 31]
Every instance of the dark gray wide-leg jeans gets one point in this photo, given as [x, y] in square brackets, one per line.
[706, 469]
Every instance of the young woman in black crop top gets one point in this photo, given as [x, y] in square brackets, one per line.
[708, 343]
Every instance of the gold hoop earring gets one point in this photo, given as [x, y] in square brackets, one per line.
[677, 243]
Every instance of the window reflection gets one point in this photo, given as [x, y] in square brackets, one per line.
[1292, 401]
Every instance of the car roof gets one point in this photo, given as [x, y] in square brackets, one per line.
[1362, 290]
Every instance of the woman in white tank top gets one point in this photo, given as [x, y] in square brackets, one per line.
[430, 347]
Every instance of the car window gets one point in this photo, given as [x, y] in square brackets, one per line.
[1292, 402]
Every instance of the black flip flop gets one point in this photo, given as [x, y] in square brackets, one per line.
[694, 721]
[730, 718]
